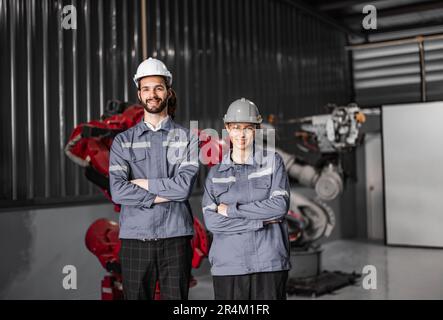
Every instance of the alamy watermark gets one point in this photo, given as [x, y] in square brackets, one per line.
[206, 147]
[370, 277]
[69, 17]
[70, 280]
[370, 20]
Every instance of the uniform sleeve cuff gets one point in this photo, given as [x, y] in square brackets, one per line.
[232, 211]
[260, 224]
[149, 199]
[153, 186]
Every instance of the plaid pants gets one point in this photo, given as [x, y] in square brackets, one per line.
[166, 260]
[254, 286]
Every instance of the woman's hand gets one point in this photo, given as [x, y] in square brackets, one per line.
[272, 221]
[222, 209]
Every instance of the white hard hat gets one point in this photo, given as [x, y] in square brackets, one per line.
[152, 67]
[242, 110]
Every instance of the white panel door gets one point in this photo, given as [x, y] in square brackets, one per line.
[413, 166]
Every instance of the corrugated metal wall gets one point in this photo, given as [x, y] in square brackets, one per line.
[282, 58]
[54, 79]
[393, 73]
[287, 61]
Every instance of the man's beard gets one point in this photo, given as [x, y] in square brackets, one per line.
[156, 109]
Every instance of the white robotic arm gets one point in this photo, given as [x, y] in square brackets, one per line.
[327, 183]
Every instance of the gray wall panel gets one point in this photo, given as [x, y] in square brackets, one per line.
[43, 242]
[413, 175]
[392, 72]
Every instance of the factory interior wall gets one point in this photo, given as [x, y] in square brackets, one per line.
[38, 243]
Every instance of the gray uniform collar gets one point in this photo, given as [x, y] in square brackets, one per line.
[254, 159]
[142, 127]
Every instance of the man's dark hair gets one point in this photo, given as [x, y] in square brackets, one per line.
[172, 103]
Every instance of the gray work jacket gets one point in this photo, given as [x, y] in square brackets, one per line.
[255, 192]
[167, 158]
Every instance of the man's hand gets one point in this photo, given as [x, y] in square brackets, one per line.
[142, 183]
[222, 209]
[160, 200]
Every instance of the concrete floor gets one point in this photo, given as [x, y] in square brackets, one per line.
[401, 273]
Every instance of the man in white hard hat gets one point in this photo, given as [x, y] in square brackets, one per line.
[156, 223]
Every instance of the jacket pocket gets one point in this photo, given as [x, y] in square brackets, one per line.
[262, 182]
[138, 155]
[219, 189]
[260, 188]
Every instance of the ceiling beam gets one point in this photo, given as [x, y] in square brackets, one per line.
[405, 28]
[397, 11]
[338, 5]
[321, 16]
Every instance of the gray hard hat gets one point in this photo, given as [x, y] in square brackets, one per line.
[242, 110]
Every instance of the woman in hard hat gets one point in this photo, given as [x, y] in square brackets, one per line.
[245, 202]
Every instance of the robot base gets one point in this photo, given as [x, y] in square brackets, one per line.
[305, 262]
[306, 278]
